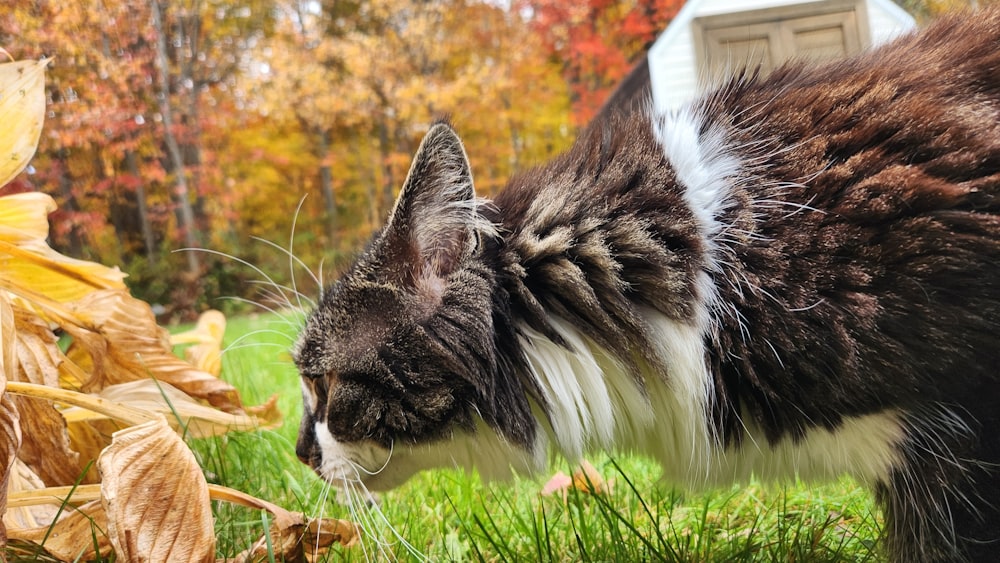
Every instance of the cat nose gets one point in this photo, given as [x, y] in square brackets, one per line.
[303, 451]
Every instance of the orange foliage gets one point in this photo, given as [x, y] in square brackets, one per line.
[276, 100]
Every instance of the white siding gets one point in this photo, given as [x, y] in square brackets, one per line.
[887, 21]
[672, 65]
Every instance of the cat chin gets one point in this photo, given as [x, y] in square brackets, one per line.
[482, 449]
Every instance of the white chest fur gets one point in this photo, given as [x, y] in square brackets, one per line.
[594, 403]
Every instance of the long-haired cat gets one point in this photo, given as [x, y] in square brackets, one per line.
[795, 275]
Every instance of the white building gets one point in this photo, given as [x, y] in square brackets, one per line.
[710, 38]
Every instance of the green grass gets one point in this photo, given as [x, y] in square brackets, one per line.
[451, 516]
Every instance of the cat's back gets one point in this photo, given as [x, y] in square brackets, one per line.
[818, 225]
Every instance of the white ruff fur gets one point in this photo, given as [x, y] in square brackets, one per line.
[594, 403]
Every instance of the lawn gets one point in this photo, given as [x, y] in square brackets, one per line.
[452, 516]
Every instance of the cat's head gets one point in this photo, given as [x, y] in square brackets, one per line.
[398, 360]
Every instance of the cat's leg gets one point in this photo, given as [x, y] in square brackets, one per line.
[943, 503]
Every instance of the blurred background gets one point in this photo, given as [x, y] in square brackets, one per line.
[210, 124]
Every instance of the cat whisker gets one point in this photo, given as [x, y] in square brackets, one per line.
[267, 279]
[813, 306]
[293, 261]
[279, 294]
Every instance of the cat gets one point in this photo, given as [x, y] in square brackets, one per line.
[794, 275]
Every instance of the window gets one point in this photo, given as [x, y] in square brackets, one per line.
[766, 38]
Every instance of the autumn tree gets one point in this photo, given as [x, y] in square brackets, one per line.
[249, 106]
[375, 76]
[597, 41]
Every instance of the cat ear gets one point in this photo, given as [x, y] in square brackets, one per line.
[434, 222]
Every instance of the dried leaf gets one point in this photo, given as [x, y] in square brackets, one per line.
[10, 440]
[46, 446]
[24, 482]
[24, 216]
[292, 536]
[560, 482]
[585, 478]
[155, 497]
[133, 347]
[22, 111]
[305, 540]
[10, 429]
[73, 537]
[47, 279]
[200, 421]
[42, 277]
[206, 353]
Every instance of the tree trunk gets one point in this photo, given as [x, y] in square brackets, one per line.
[326, 185]
[181, 191]
[189, 31]
[73, 236]
[388, 182]
[148, 240]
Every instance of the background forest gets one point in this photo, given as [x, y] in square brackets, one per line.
[206, 123]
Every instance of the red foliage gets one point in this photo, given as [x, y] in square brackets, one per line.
[598, 41]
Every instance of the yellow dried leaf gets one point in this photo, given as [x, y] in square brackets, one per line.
[22, 111]
[131, 347]
[41, 275]
[24, 216]
[155, 497]
[206, 337]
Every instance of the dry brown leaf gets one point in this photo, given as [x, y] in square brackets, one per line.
[292, 536]
[132, 346]
[155, 497]
[200, 421]
[10, 440]
[307, 540]
[46, 445]
[206, 337]
[73, 537]
[24, 481]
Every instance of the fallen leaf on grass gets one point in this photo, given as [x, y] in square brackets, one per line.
[585, 478]
[292, 536]
[206, 337]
